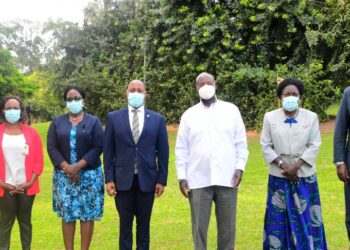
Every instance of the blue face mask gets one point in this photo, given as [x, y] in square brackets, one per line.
[12, 115]
[136, 100]
[75, 106]
[290, 103]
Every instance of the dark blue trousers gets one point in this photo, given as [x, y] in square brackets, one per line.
[130, 204]
[347, 207]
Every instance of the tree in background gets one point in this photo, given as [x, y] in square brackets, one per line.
[12, 82]
[167, 43]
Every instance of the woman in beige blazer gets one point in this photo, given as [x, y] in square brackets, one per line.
[290, 143]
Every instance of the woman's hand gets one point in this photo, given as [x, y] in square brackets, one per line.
[75, 178]
[290, 172]
[7, 186]
[71, 170]
[24, 186]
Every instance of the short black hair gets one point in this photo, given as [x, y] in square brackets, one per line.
[77, 88]
[4, 100]
[290, 81]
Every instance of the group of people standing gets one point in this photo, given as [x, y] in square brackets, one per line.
[211, 154]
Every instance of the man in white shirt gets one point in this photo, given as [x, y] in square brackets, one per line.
[211, 154]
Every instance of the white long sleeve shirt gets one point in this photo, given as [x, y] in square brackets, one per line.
[211, 144]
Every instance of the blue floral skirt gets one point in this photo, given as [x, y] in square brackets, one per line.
[79, 201]
[293, 218]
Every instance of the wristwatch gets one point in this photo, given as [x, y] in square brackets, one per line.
[279, 164]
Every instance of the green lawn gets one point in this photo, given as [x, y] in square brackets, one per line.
[333, 110]
[171, 227]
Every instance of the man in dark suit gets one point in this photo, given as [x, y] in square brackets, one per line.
[342, 150]
[136, 154]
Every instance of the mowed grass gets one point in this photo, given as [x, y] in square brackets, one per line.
[171, 223]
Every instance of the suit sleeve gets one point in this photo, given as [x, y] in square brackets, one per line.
[95, 151]
[39, 155]
[52, 145]
[341, 129]
[313, 144]
[162, 153]
[108, 151]
[266, 142]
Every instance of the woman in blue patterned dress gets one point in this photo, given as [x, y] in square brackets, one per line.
[290, 142]
[74, 144]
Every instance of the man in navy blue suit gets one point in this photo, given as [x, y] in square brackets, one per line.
[342, 151]
[136, 154]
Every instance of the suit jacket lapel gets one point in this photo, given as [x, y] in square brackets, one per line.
[146, 123]
[125, 118]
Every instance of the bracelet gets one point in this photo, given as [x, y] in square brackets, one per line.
[279, 164]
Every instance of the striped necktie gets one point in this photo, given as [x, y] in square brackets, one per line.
[135, 126]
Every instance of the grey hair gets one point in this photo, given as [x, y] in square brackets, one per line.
[205, 75]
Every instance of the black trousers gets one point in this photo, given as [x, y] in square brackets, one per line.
[11, 207]
[130, 204]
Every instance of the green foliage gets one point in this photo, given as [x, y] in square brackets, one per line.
[44, 103]
[12, 82]
[167, 43]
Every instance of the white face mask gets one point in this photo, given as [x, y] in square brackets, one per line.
[207, 91]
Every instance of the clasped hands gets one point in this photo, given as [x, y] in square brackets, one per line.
[71, 171]
[290, 171]
[16, 189]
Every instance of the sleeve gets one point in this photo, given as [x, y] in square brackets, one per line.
[182, 149]
[241, 144]
[92, 155]
[52, 145]
[267, 146]
[162, 153]
[313, 144]
[39, 155]
[341, 130]
[109, 151]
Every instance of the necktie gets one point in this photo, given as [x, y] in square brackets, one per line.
[135, 126]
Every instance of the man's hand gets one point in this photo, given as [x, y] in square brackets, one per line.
[184, 188]
[110, 188]
[342, 172]
[237, 177]
[159, 190]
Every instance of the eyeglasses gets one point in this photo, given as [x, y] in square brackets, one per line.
[75, 98]
[290, 94]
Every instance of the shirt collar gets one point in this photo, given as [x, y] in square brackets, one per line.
[211, 105]
[141, 109]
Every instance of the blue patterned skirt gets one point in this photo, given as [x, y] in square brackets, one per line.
[293, 218]
[79, 201]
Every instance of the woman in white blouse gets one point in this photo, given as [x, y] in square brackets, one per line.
[21, 163]
[290, 142]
